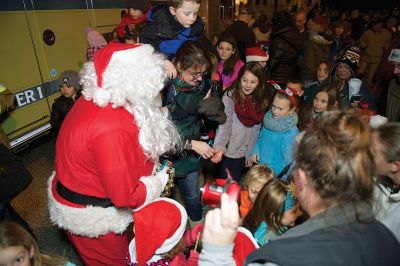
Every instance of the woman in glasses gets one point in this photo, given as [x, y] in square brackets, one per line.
[184, 94]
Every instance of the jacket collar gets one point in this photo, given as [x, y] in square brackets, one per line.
[335, 216]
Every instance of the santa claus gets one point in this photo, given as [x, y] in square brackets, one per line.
[107, 149]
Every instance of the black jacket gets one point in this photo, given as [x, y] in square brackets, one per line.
[59, 111]
[166, 34]
[284, 50]
[243, 35]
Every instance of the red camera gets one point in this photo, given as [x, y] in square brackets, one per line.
[212, 191]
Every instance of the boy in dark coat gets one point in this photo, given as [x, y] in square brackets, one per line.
[70, 92]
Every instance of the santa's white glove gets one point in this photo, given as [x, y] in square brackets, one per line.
[156, 183]
[163, 173]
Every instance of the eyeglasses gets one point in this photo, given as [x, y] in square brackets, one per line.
[195, 75]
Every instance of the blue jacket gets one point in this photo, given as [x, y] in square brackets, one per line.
[166, 34]
[275, 148]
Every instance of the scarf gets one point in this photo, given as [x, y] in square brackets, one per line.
[247, 113]
[281, 124]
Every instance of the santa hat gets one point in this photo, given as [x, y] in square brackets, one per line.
[256, 54]
[158, 227]
[95, 38]
[103, 57]
[244, 244]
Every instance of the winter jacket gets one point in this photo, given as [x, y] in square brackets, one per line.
[374, 45]
[316, 49]
[233, 137]
[275, 147]
[59, 111]
[243, 35]
[128, 19]
[166, 34]
[344, 97]
[285, 47]
[227, 81]
[393, 101]
[337, 236]
[183, 112]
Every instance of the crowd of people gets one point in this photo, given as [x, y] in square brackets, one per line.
[301, 110]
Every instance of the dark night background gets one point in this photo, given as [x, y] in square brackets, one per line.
[360, 4]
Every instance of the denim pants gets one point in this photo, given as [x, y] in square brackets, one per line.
[188, 187]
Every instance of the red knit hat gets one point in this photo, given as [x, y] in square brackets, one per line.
[103, 57]
[158, 227]
[244, 245]
[256, 54]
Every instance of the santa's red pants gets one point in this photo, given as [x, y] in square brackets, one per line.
[109, 249]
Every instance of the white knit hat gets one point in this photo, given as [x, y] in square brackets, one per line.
[394, 56]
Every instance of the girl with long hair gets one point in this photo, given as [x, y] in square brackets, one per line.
[245, 105]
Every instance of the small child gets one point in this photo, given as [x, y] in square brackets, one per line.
[70, 90]
[160, 235]
[274, 210]
[230, 62]
[17, 247]
[255, 179]
[324, 100]
[275, 144]
[132, 32]
[96, 41]
[137, 13]
[170, 26]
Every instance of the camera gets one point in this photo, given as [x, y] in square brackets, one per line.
[212, 191]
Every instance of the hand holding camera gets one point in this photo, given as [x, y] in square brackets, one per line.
[221, 223]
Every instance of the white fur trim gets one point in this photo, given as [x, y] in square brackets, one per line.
[249, 235]
[168, 243]
[153, 187]
[256, 58]
[89, 221]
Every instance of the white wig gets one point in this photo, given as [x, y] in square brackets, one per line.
[133, 80]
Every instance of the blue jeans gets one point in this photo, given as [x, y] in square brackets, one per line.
[188, 187]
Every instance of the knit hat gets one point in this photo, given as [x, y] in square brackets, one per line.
[95, 38]
[244, 244]
[158, 227]
[70, 78]
[350, 56]
[394, 56]
[256, 54]
[141, 5]
[246, 9]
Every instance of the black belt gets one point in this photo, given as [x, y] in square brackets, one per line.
[82, 199]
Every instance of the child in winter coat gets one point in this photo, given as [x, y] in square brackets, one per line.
[275, 144]
[171, 24]
[245, 104]
[255, 179]
[70, 92]
[274, 210]
[230, 62]
[137, 13]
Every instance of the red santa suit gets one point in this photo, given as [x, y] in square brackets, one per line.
[99, 156]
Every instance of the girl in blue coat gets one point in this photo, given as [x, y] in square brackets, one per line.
[276, 141]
